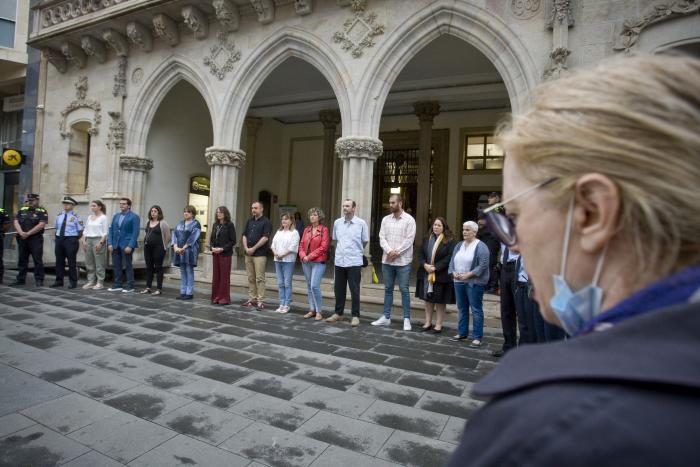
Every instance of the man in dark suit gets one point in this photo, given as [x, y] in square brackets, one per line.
[122, 241]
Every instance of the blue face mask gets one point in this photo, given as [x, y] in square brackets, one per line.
[575, 309]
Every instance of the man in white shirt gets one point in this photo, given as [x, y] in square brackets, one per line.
[396, 236]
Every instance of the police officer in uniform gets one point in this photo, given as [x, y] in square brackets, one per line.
[29, 224]
[4, 223]
[69, 228]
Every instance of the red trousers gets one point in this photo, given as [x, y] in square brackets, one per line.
[221, 284]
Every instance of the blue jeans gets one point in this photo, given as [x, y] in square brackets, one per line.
[391, 275]
[187, 279]
[284, 281]
[470, 295]
[313, 272]
[122, 260]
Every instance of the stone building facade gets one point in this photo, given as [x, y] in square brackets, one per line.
[140, 96]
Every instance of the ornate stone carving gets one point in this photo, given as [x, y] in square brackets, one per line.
[303, 7]
[227, 13]
[166, 29]
[426, 110]
[138, 164]
[119, 88]
[94, 48]
[117, 127]
[222, 156]
[525, 9]
[265, 9]
[140, 35]
[196, 21]
[223, 55]
[74, 54]
[81, 101]
[362, 147]
[116, 41]
[72, 9]
[557, 66]
[329, 118]
[632, 28]
[358, 31]
[55, 58]
[559, 12]
[137, 76]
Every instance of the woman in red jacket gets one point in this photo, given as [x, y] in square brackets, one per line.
[313, 253]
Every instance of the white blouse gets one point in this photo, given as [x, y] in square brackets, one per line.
[465, 257]
[96, 226]
[286, 240]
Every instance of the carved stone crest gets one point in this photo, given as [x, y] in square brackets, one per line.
[166, 29]
[227, 13]
[632, 28]
[138, 164]
[358, 32]
[223, 55]
[223, 156]
[525, 9]
[196, 21]
[359, 146]
[81, 101]
[115, 138]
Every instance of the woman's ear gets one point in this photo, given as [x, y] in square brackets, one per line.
[597, 211]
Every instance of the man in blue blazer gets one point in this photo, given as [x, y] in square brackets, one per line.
[122, 241]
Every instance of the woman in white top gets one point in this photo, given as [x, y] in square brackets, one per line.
[94, 239]
[285, 246]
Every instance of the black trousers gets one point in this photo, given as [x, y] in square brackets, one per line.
[66, 249]
[525, 309]
[154, 256]
[509, 320]
[493, 277]
[33, 246]
[344, 277]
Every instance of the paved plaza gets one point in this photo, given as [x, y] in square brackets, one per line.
[104, 379]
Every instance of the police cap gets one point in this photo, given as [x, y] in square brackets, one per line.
[32, 196]
[69, 200]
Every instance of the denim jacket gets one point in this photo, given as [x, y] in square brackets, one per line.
[480, 264]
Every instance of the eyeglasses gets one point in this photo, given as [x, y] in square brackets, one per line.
[499, 223]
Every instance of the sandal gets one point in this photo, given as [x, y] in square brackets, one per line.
[319, 316]
[146, 290]
[157, 292]
[310, 314]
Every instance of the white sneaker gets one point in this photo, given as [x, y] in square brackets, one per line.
[89, 285]
[406, 324]
[128, 290]
[383, 321]
[284, 309]
[279, 309]
[115, 289]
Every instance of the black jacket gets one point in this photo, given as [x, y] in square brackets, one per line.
[224, 238]
[627, 396]
[442, 261]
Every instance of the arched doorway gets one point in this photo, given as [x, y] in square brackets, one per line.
[180, 132]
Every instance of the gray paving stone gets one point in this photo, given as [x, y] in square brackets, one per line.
[212, 393]
[327, 378]
[331, 400]
[276, 386]
[270, 365]
[335, 456]
[146, 402]
[98, 384]
[416, 451]
[122, 437]
[39, 340]
[220, 372]
[453, 430]
[93, 459]
[274, 447]
[433, 383]
[69, 413]
[276, 412]
[169, 379]
[346, 432]
[204, 422]
[409, 419]
[448, 405]
[389, 392]
[182, 450]
[369, 370]
[20, 390]
[38, 446]
[14, 422]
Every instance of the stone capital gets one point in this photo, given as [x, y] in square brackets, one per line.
[137, 164]
[223, 156]
[329, 118]
[359, 147]
[426, 110]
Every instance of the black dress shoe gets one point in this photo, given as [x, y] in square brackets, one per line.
[424, 329]
[498, 353]
[458, 338]
[187, 297]
[180, 297]
[437, 331]
[15, 283]
[57, 284]
[72, 285]
[38, 283]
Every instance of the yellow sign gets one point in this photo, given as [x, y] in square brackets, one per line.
[12, 158]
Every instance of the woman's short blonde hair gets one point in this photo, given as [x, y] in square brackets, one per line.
[637, 121]
[318, 212]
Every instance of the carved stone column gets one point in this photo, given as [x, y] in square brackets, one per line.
[426, 112]
[560, 19]
[247, 196]
[134, 171]
[330, 120]
[225, 164]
